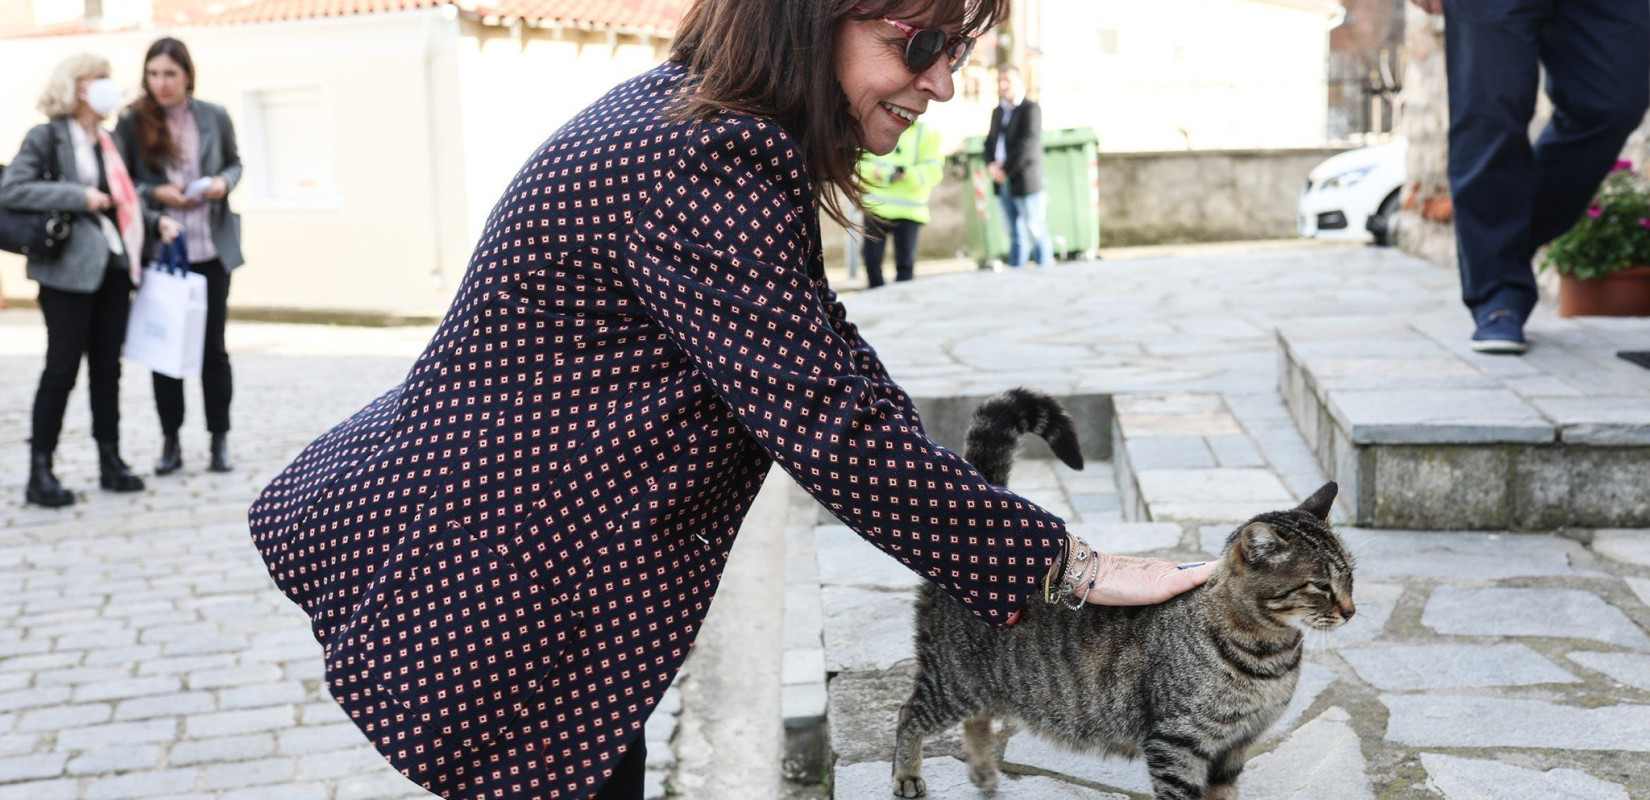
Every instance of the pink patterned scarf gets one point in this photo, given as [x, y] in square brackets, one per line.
[128, 214]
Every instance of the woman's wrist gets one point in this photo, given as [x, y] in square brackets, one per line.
[1074, 575]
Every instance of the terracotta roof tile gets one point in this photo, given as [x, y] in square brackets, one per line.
[244, 12]
[649, 14]
[659, 16]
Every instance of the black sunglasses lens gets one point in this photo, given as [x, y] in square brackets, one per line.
[924, 48]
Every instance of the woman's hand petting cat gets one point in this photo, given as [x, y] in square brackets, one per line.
[1130, 581]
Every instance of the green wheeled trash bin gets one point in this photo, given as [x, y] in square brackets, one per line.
[985, 236]
[1071, 177]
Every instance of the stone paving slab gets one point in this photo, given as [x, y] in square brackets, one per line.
[1559, 613]
[1193, 495]
[1451, 666]
[1314, 679]
[866, 629]
[1605, 421]
[1438, 416]
[1028, 750]
[1440, 720]
[1128, 537]
[1629, 668]
[1628, 547]
[847, 560]
[1321, 759]
[1640, 587]
[1460, 555]
[947, 779]
[1479, 779]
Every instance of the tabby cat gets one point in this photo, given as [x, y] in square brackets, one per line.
[1189, 683]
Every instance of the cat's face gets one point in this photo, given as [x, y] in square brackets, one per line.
[1295, 566]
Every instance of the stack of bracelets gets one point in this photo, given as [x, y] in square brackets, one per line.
[1078, 572]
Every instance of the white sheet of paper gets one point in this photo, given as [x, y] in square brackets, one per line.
[196, 190]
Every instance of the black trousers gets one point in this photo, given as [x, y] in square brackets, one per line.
[1509, 197]
[877, 232]
[217, 382]
[628, 781]
[79, 325]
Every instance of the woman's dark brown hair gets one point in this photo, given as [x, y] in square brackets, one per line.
[777, 59]
[154, 142]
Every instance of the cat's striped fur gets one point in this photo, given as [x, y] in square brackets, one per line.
[1189, 683]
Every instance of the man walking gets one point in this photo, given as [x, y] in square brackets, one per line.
[1014, 157]
[1509, 197]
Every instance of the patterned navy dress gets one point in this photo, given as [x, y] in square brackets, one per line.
[507, 556]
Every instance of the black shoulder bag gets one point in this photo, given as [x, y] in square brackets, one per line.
[39, 235]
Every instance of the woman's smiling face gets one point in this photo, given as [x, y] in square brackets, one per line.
[883, 94]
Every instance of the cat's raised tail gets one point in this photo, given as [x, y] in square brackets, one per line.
[1002, 419]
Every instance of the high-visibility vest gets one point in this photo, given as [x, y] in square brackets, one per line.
[918, 152]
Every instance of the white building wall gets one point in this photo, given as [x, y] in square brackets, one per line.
[1183, 74]
[376, 221]
[519, 86]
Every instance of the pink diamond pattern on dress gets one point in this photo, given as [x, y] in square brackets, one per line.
[507, 556]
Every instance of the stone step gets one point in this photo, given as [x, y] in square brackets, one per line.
[1194, 458]
[1423, 433]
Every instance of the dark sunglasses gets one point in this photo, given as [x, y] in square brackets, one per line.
[924, 46]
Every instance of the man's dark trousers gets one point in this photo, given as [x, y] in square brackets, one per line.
[1510, 198]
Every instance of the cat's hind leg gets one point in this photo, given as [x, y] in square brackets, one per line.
[1179, 766]
[1224, 771]
[930, 710]
[980, 751]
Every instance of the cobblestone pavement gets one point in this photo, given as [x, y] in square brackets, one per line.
[144, 651]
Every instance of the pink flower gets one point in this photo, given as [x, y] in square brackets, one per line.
[1644, 223]
[1594, 211]
[1622, 166]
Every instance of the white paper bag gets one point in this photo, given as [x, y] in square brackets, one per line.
[166, 330]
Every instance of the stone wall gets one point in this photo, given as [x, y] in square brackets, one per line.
[1424, 227]
[1202, 195]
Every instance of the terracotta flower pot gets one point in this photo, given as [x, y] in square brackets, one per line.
[1625, 293]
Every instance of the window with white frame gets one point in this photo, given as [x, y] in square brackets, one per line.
[289, 146]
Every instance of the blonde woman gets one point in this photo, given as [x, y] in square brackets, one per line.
[69, 163]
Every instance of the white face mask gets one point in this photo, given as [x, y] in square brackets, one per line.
[103, 96]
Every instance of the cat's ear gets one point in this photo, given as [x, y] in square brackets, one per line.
[1260, 543]
[1318, 504]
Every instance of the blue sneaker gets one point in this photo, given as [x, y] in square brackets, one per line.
[1501, 333]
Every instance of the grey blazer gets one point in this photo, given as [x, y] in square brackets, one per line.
[219, 157]
[85, 257]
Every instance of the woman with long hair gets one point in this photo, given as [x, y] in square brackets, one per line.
[507, 556]
[183, 156]
[69, 163]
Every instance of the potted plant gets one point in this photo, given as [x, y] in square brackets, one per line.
[1603, 262]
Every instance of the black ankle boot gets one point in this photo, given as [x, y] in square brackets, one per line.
[171, 456]
[44, 490]
[220, 453]
[113, 474]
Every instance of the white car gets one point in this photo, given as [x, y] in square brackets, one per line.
[1353, 197]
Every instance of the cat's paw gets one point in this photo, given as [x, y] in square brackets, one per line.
[909, 786]
[984, 777]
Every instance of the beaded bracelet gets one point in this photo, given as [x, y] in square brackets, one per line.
[1079, 566]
